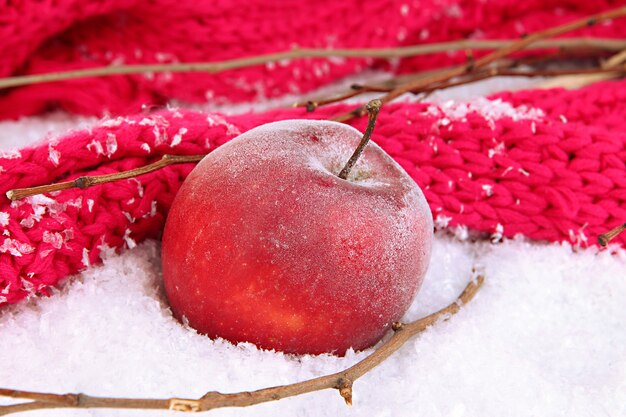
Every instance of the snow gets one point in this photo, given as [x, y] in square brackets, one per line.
[544, 337]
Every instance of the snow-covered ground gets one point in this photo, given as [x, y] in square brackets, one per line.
[546, 336]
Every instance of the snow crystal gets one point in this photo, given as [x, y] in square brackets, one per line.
[491, 110]
[178, 137]
[578, 237]
[498, 234]
[113, 122]
[461, 232]
[4, 218]
[11, 154]
[53, 155]
[53, 238]
[41, 204]
[160, 135]
[85, 258]
[139, 186]
[128, 216]
[96, 146]
[15, 247]
[111, 144]
[217, 120]
[441, 221]
[496, 150]
[130, 242]
[106, 252]
[146, 121]
[153, 210]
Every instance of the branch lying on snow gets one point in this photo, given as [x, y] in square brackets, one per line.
[341, 381]
[483, 62]
[583, 43]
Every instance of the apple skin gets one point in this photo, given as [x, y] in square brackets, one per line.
[264, 243]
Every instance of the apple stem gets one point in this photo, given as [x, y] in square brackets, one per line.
[373, 107]
[605, 238]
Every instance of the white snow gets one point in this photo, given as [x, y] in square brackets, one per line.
[490, 109]
[544, 337]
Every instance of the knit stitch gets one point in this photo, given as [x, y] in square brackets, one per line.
[545, 164]
[49, 36]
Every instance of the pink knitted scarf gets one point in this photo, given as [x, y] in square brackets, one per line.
[549, 165]
[48, 36]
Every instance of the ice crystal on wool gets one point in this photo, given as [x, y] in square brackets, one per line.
[491, 110]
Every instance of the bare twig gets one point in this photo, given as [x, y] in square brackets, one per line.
[482, 62]
[85, 182]
[583, 43]
[341, 381]
[605, 238]
[599, 73]
[581, 80]
[373, 107]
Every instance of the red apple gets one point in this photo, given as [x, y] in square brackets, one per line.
[264, 243]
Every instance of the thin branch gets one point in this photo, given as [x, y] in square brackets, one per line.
[581, 80]
[605, 238]
[85, 182]
[373, 107]
[482, 62]
[503, 70]
[506, 72]
[341, 381]
[584, 43]
[358, 89]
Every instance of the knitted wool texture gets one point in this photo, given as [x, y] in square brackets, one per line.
[545, 164]
[48, 36]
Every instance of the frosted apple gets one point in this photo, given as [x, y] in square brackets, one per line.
[264, 243]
